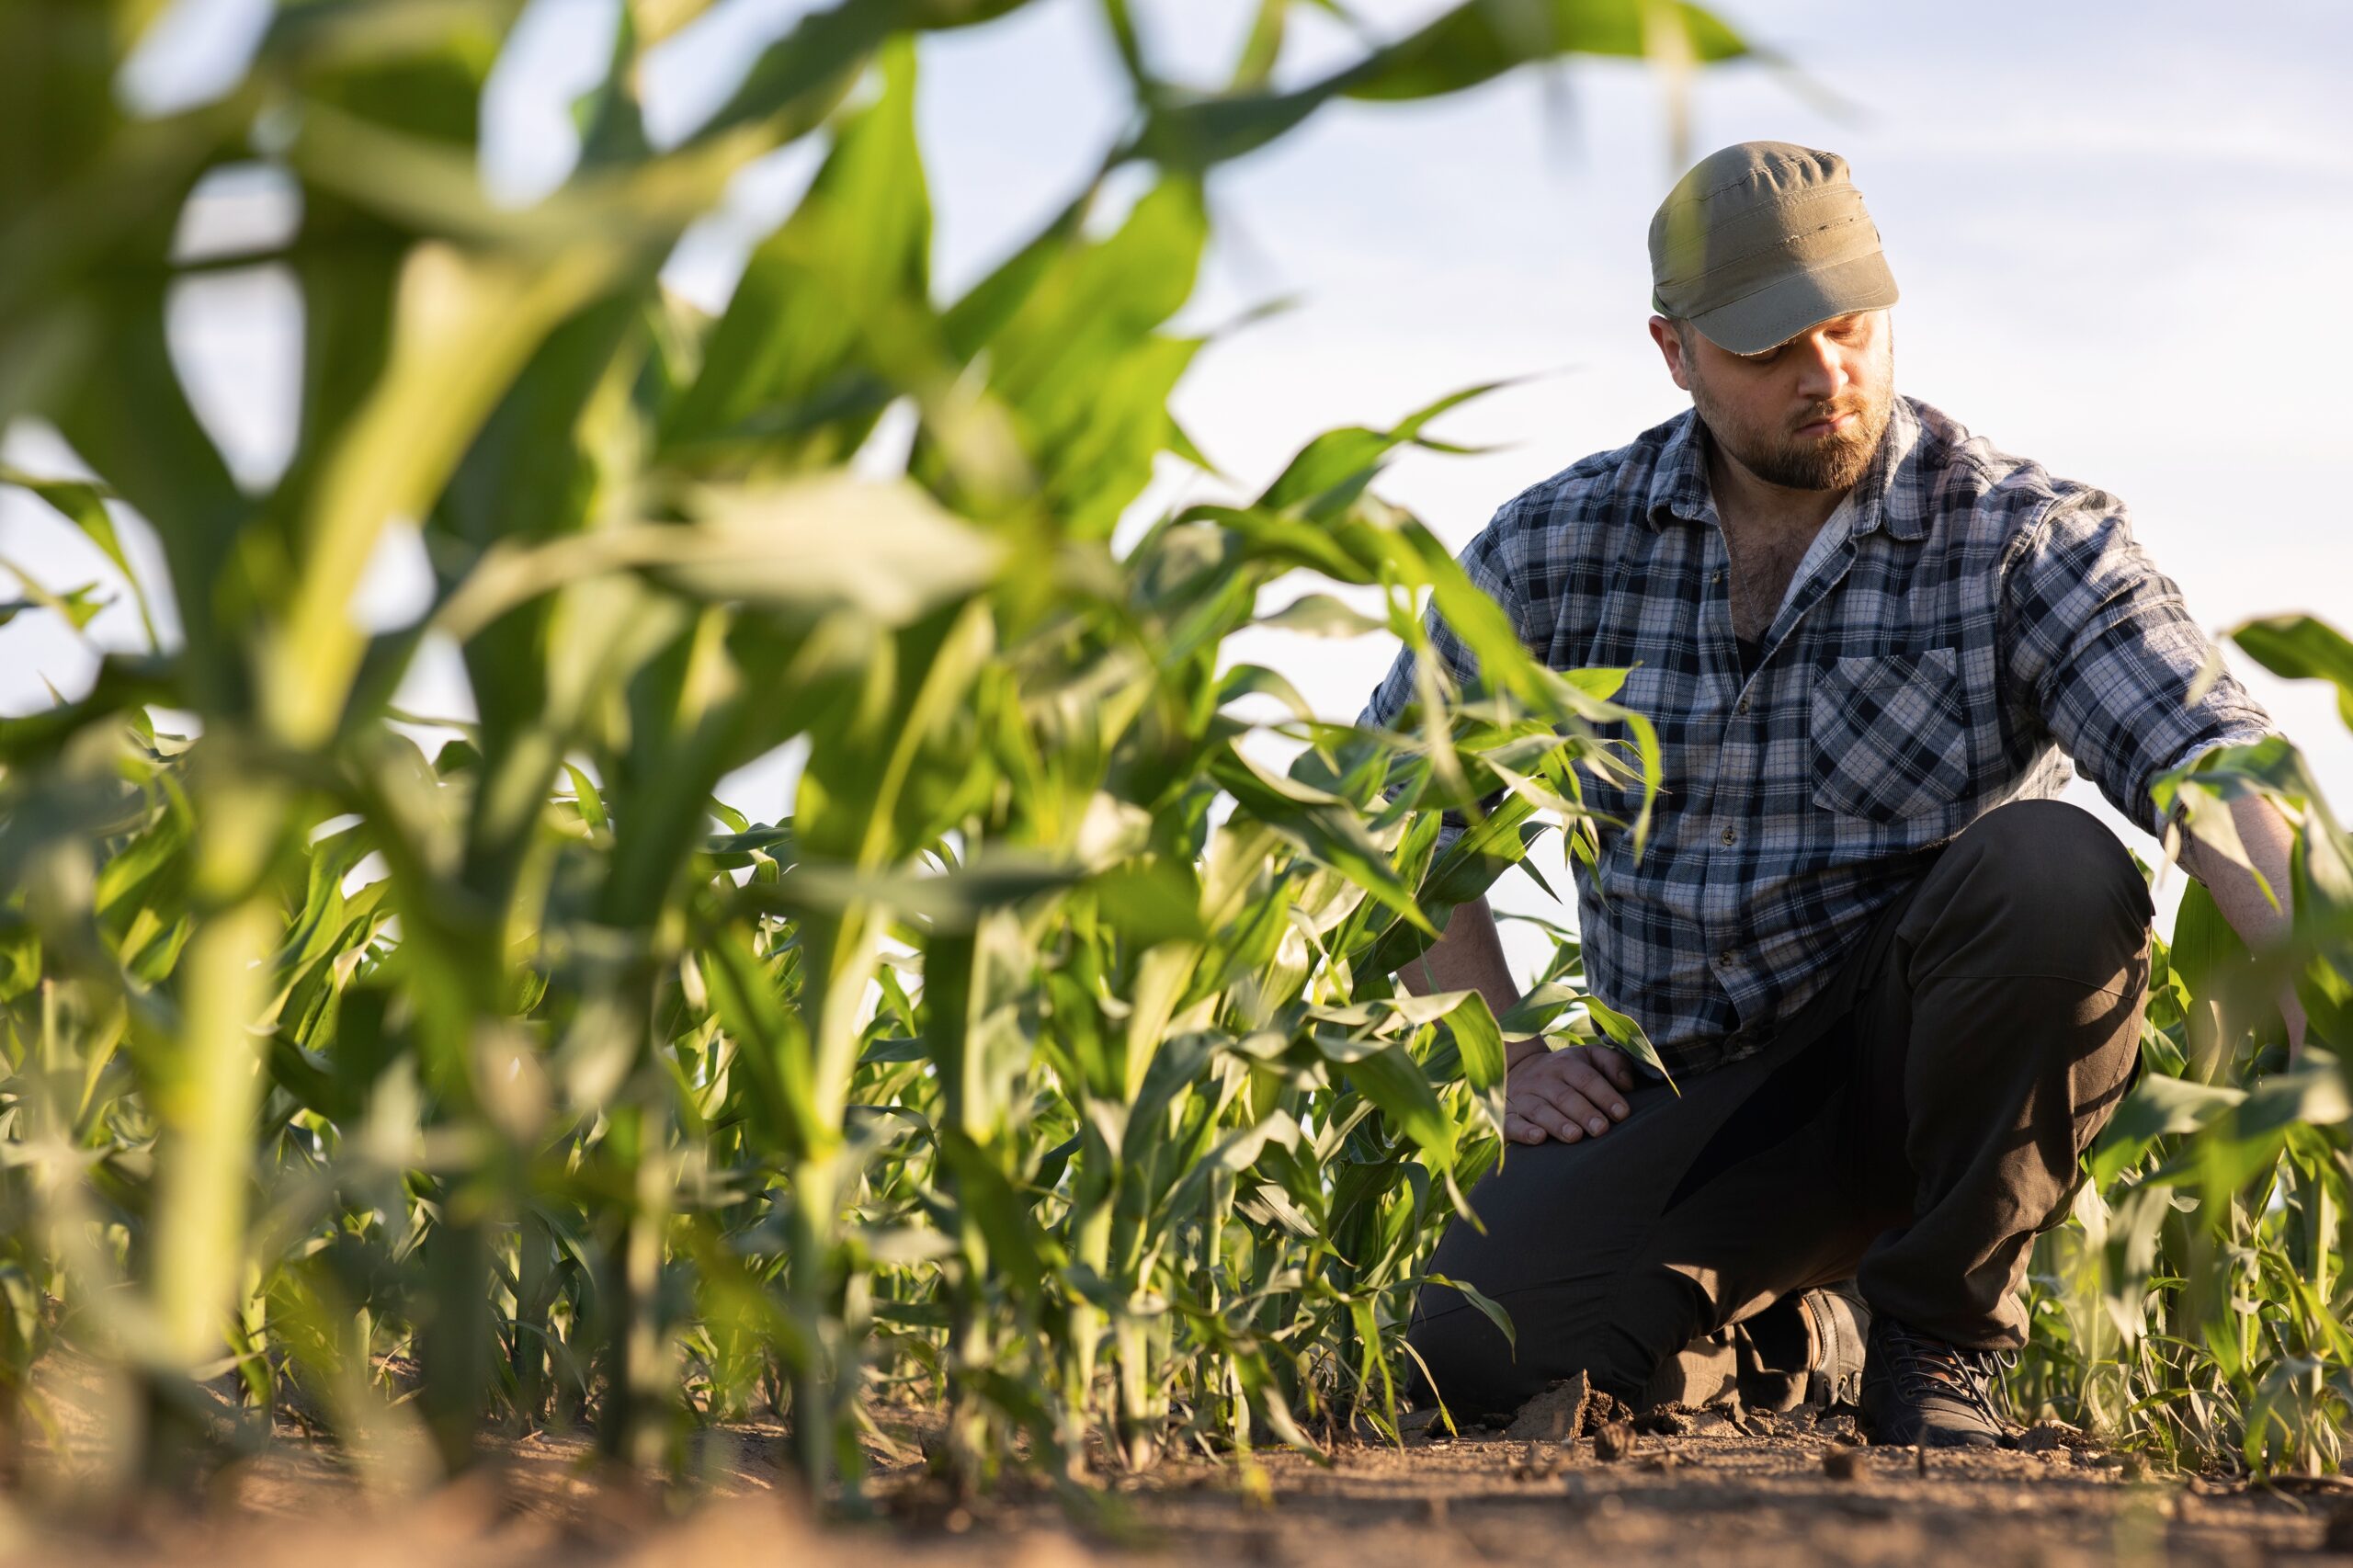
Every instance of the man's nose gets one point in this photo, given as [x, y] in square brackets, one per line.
[1821, 369]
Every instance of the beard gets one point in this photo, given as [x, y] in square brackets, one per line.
[1778, 455]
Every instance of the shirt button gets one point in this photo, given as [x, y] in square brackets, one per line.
[1714, 577]
[1730, 835]
[1741, 707]
[1730, 956]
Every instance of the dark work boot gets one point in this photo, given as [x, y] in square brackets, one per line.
[1837, 1332]
[1802, 1349]
[1924, 1390]
[1805, 1349]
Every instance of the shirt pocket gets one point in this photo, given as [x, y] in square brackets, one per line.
[1889, 736]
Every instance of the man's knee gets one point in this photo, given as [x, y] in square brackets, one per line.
[1463, 1359]
[1617, 1333]
[2036, 887]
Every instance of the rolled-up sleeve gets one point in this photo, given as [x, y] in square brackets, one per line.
[2103, 652]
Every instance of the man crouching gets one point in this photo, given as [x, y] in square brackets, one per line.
[1898, 986]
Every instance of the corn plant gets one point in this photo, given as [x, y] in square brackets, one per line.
[1040, 1060]
[2198, 1301]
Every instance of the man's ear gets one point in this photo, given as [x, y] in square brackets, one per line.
[1670, 343]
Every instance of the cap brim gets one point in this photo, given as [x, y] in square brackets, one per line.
[1780, 310]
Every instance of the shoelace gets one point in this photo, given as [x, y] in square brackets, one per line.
[1925, 1368]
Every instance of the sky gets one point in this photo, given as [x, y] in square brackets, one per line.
[2118, 243]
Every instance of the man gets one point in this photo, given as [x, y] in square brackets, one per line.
[1897, 986]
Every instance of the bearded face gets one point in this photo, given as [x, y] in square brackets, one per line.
[1806, 415]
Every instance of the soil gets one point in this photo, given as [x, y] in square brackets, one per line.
[1709, 1487]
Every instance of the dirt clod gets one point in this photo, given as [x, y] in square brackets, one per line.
[1614, 1442]
[1842, 1464]
[2050, 1436]
[1556, 1415]
[1667, 1421]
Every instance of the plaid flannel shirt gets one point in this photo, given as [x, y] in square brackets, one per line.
[1963, 619]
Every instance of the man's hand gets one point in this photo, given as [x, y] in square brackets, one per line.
[1575, 1091]
[1565, 1094]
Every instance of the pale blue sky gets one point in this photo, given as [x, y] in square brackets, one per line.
[2119, 244]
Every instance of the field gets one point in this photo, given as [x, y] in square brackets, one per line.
[1713, 1493]
[397, 1102]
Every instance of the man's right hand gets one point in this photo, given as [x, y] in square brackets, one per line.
[1565, 1094]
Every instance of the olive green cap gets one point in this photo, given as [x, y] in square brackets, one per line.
[1763, 240]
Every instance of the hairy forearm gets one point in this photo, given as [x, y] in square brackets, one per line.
[2262, 923]
[1468, 956]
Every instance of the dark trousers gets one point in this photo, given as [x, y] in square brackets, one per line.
[1913, 1128]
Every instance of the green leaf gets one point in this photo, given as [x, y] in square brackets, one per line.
[1480, 1039]
[1330, 471]
[1331, 832]
[76, 606]
[1472, 42]
[853, 257]
[2302, 647]
[1321, 615]
[1488, 1308]
[1070, 327]
[1152, 900]
[952, 903]
[989, 1199]
[84, 505]
[2158, 1106]
[776, 547]
[1256, 680]
[1393, 1080]
[2313, 1095]
[466, 324]
[794, 82]
[1626, 1036]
